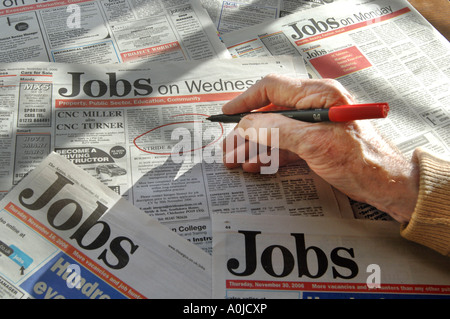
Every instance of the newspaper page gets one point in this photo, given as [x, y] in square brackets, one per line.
[256, 257]
[230, 16]
[107, 31]
[66, 235]
[140, 131]
[381, 51]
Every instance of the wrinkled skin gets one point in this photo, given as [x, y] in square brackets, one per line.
[351, 156]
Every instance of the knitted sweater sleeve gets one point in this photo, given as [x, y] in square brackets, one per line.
[430, 222]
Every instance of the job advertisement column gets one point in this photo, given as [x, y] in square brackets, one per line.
[34, 117]
[7, 115]
[21, 38]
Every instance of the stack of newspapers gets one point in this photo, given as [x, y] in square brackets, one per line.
[112, 184]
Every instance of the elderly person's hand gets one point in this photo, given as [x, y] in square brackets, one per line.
[351, 156]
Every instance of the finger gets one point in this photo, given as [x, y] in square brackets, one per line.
[234, 157]
[233, 146]
[250, 155]
[232, 140]
[289, 92]
[275, 130]
[254, 165]
[237, 149]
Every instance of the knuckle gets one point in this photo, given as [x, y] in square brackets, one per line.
[272, 77]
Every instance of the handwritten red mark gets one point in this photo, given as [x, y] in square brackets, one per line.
[174, 123]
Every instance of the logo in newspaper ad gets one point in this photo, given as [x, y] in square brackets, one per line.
[17, 255]
[86, 155]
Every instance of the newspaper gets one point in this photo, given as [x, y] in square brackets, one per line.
[124, 125]
[63, 234]
[381, 51]
[107, 31]
[230, 16]
[257, 257]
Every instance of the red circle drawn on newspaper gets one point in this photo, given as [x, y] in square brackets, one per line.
[174, 123]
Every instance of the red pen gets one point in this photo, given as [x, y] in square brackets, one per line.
[341, 113]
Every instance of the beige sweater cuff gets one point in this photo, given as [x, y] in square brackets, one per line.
[430, 222]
